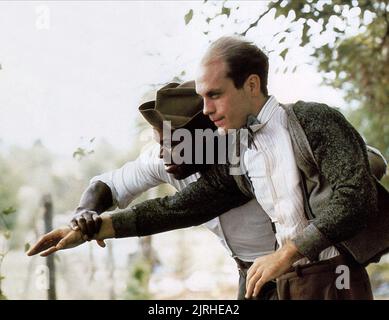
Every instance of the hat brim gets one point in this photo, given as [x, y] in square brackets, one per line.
[155, 118]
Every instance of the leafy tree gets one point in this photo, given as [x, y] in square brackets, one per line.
[348, 42]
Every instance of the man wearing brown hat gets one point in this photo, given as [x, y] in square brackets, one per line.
[245, 231]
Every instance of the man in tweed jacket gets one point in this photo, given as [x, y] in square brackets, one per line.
[325, 149]
[343, 197]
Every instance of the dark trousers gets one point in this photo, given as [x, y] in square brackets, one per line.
[339, 278]
[268, 291]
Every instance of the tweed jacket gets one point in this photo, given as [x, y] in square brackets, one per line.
[342, 198]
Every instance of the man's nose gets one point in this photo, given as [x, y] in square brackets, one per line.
[208, 107]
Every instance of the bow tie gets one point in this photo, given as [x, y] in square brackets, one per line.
[252, 126]
[245, 136]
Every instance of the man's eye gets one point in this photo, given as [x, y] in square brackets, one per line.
[215, 96]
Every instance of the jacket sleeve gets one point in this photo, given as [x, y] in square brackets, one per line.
[213, 194]
[341, 159]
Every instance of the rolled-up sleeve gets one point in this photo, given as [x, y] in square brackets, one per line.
[133, 178]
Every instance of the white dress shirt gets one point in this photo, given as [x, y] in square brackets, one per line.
[272, 169]
[244, 231]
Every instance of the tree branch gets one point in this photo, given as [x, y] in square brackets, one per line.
[255, 23]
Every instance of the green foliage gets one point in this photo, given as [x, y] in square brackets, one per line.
[5, 226]
[226, 11]
[137, 286]
[81, 153]
[8, 211]
[188, 17]
[358, 64]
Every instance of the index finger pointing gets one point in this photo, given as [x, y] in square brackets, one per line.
[42, 244]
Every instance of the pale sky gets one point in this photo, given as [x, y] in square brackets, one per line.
[79, 69]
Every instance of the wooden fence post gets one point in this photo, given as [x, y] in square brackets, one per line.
[48, 219]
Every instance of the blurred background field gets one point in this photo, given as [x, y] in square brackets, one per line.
[72, 75]
[93, 273]
[181, 264]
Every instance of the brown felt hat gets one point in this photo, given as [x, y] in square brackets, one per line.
[179, 104]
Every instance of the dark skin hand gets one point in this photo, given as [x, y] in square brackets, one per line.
[87, 221]
[96, 199]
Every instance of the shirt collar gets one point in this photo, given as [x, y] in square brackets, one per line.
[263, 117]
[268, 109]
[266, 113]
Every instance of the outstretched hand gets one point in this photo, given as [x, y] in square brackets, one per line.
[58, 239]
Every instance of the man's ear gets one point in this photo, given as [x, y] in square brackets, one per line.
[253, 85]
